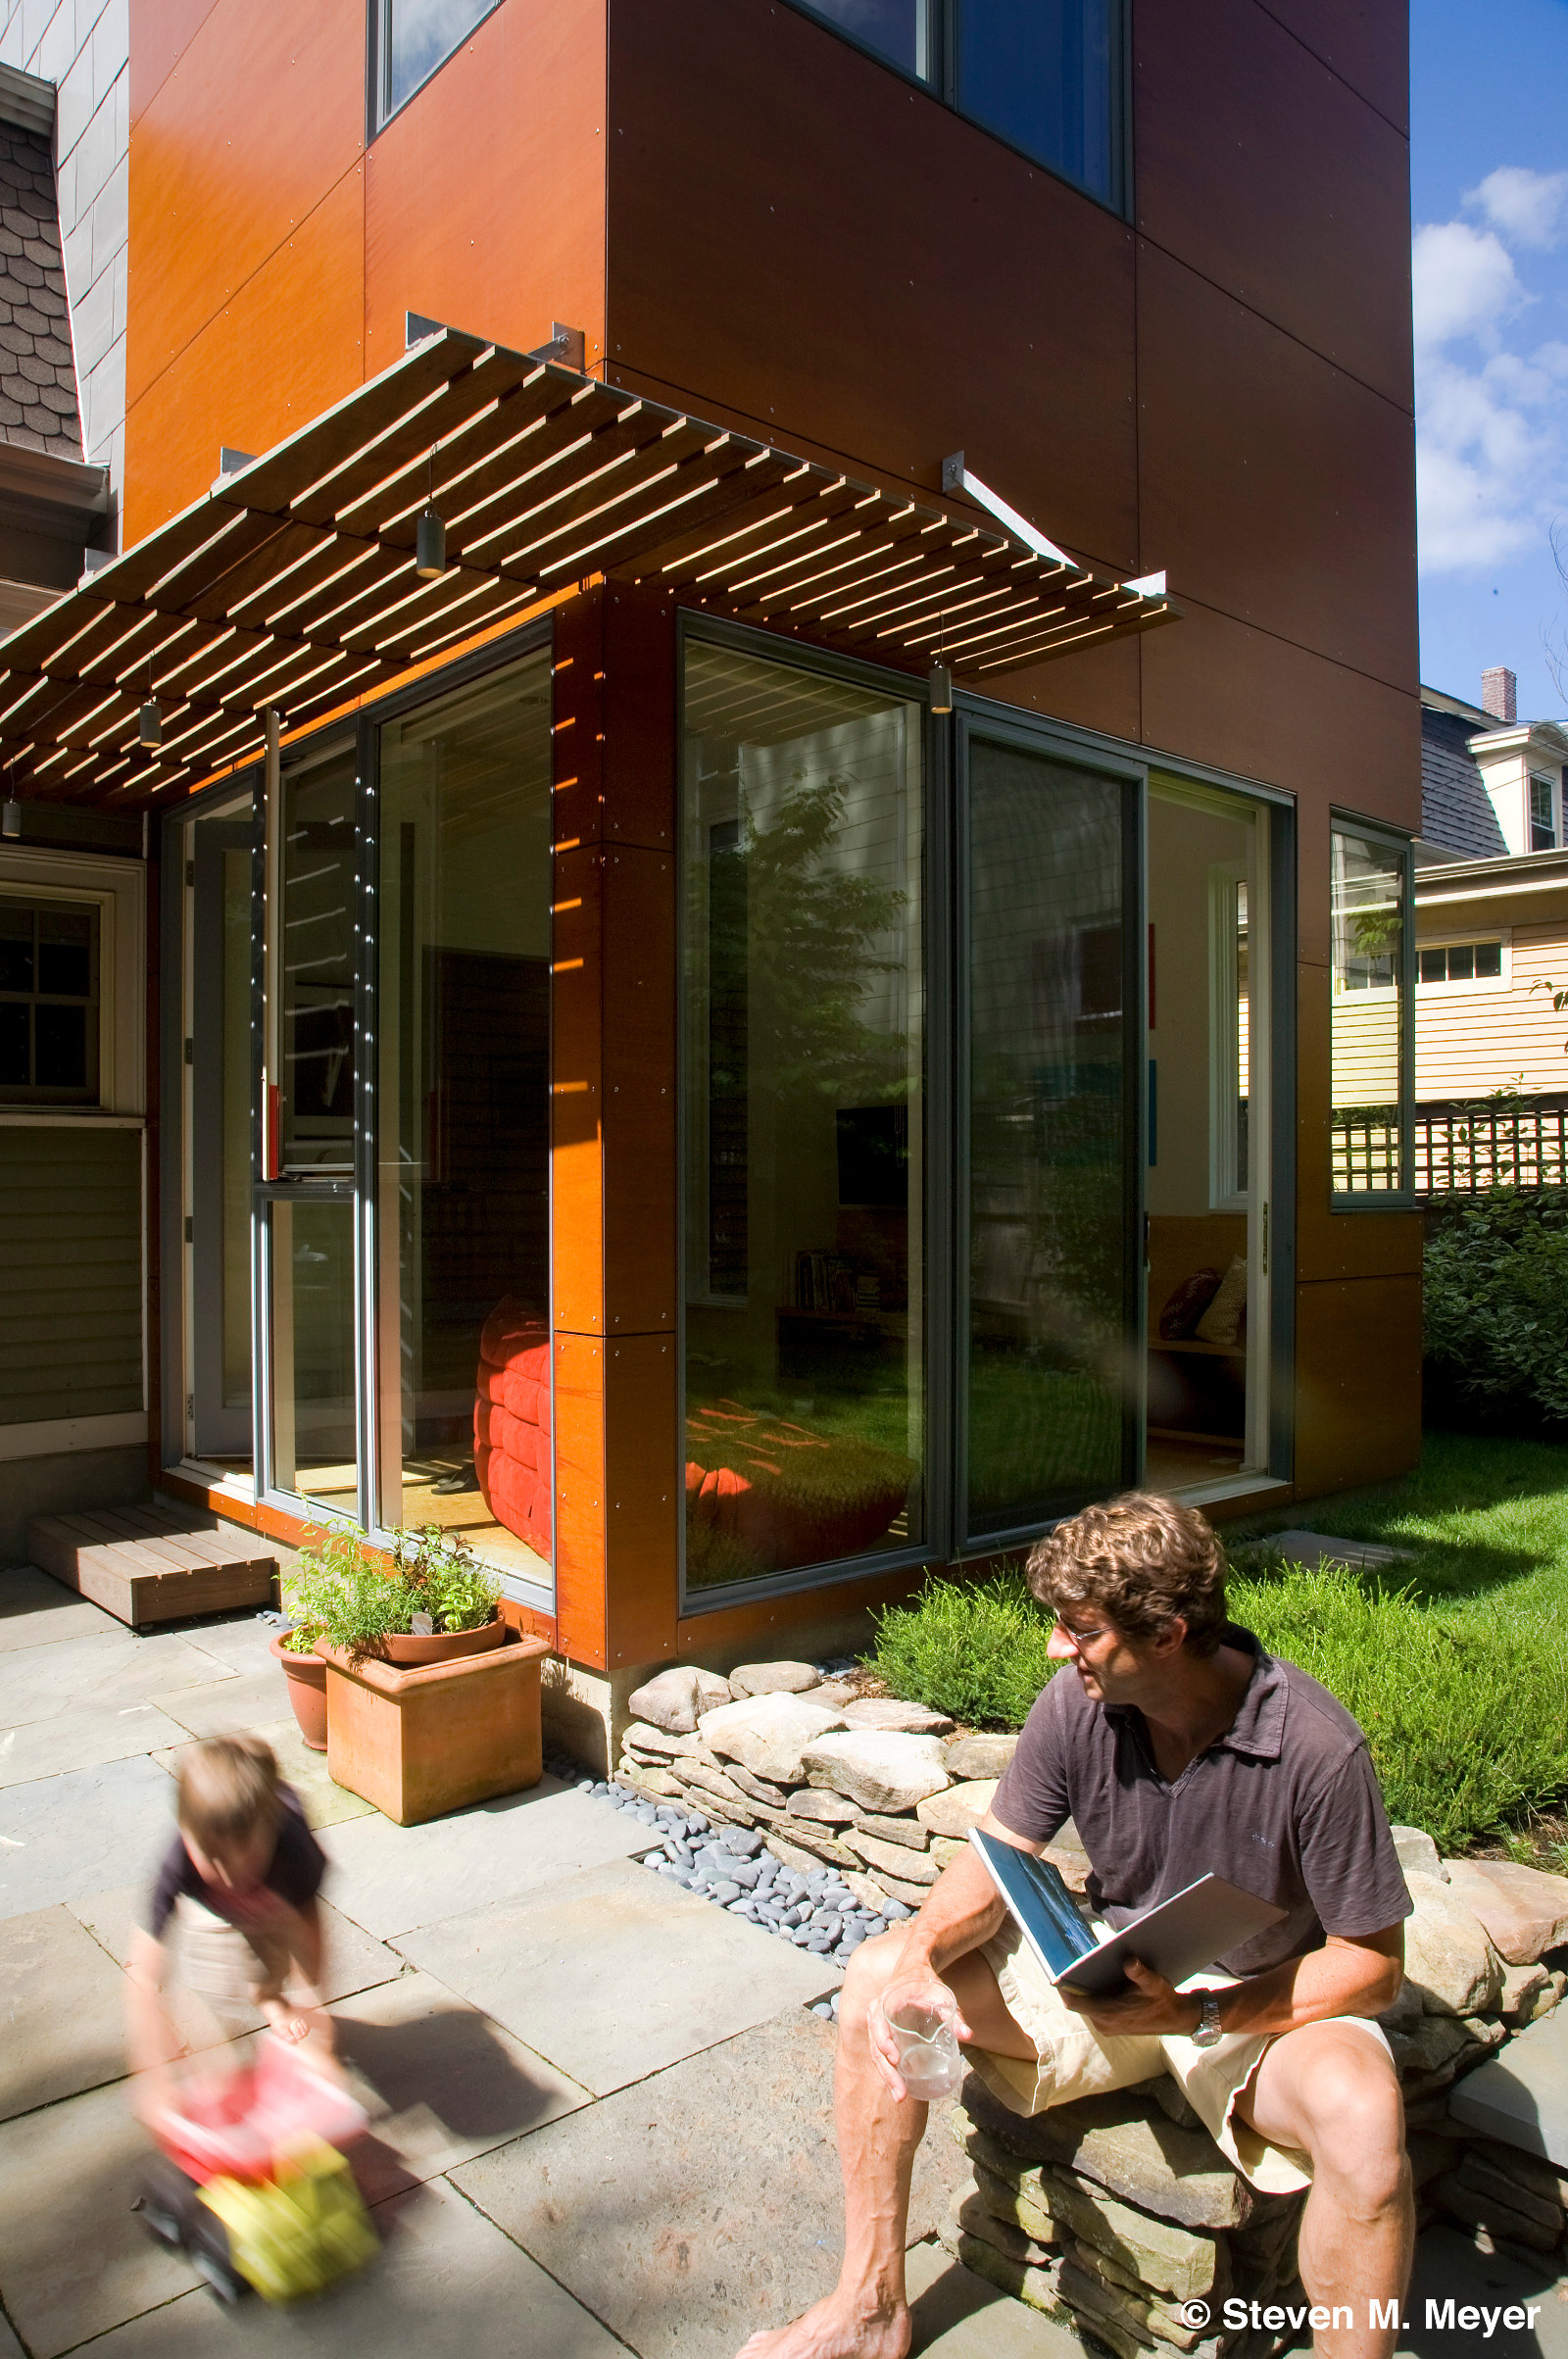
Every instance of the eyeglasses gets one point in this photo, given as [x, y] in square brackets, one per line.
[1080, 1638]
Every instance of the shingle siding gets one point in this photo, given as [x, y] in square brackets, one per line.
[38, 368]
[1455, 809]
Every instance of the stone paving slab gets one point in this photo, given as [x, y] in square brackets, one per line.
[699, 2206]
[325, 1804]
[42, 1748]
[447, 2281]
[10, 2347]
[98, 1671]
[63, 1837]
[62, 2011]
[74, 2257]
[239, 1642]
[957, 2316]
[1522, 2095]
[391, 1879]
[441, 2083]
[614, 1973]
[36, 1610]
[354, 1962]
[1449, 2268]
[227, 1705]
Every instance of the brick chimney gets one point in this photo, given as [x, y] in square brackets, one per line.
[1499, 693]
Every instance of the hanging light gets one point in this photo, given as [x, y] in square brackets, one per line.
[939, 680]
[10, 819]
[430, 536]
[150, 721]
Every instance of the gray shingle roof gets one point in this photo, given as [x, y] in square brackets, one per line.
[38, 403]
[1455, 809]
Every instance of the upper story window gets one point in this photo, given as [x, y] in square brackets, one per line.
[1047, 75]
[411, 38]
[48, 1003]
[1542, 814]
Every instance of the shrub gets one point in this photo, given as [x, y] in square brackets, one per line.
[1497, 1310]
[976, 1650]
[1467, 1721]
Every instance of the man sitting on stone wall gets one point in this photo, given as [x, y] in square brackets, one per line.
[1178, 1748]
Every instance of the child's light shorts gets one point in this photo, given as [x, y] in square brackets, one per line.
[233, 1970]
[1074, 2060]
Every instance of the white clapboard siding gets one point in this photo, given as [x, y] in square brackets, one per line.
[1366, 1048]
[1472, 1040]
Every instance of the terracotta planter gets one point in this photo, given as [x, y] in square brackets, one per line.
[306, 1691]
[421, 1742]
[441, 1647]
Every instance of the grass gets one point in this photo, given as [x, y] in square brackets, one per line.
[1456, 1660]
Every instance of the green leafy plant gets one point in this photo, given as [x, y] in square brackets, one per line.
[975, 1650]
[1497, 1310]
[343, 1592]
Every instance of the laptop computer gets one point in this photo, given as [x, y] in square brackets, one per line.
[1176, 1937]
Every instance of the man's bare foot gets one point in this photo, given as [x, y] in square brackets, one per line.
[836, 2329]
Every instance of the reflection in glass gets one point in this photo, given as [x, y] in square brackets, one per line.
[320, 943]
[221, 1112]
[804, 1061]
[1369, 1019]
[1046, 74]
[465, 1068]
[312, 1311]
[418, 37]
[897, 29]
[1049, 1156]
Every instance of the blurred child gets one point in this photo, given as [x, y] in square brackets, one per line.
[239, 1880]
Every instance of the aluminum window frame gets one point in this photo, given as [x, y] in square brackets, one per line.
[377, 65]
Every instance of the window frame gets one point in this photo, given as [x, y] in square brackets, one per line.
[1503, 980]
[34, 1096]
[1553, 818]
[378, 60]
[1400, 849]
[941, 84]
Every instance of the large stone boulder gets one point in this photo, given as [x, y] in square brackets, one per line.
[1446, 1953]
[887, 1711]
[959, 1808]
[1415, 1851]
[768, 1734]
[676, 1700]
[773, 1679]
[1129, 2147]
[1524, 1911]
[981, 1757]
[880, 1770]
[892, 1859]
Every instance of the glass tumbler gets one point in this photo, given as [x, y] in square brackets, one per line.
[930, 2064]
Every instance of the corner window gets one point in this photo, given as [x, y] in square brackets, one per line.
[1370, 1030]
[1542, 814]
[1462, 963]
[410, 39]
[49, 1027]
[899, 31]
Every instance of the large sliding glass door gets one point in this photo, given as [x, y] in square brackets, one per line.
[1049, 1133]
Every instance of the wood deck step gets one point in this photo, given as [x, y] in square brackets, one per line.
[151, 1564]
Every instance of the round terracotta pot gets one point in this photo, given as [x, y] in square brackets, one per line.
[306, 1691]
[442, 1646]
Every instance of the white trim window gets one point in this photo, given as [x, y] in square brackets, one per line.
[1543, 792]
[1479, 963]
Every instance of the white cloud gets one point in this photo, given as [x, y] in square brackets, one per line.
[1464, 282]
[1490, 462]
[1532, 207]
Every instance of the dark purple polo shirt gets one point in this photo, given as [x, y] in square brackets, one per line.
[1286, 1804]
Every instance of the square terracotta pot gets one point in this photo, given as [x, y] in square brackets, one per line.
[419, 1742]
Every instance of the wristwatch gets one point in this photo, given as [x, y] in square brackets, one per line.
[1210, 2031]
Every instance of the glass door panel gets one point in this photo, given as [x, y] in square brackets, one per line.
[319, 942]
[463, 1184]
[313, 1449]
[1052, 1185]
[1208, 1135]
[222, 1107]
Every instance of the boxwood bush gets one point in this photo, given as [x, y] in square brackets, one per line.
[1496, 1311]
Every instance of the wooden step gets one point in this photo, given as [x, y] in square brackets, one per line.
[149, 1564]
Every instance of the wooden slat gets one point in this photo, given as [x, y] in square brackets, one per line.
[141, 1566]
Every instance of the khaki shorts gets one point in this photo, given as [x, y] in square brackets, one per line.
[232, 1970]
[1073, 2060]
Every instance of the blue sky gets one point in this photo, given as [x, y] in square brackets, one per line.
[1488, 97]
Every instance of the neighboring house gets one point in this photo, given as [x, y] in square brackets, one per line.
[719, 946]
[1491, 940]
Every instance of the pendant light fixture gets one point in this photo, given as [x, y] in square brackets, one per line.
[149, 723]
[939, 680]
[430, 536]
[10, 809]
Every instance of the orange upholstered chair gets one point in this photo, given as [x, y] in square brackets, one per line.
[511, 1423]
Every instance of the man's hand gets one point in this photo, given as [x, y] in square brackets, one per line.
[919, 1987]
[1153, 2006]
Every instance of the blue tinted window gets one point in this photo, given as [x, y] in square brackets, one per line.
[418, 35]
[897, 29]
[1045, 75]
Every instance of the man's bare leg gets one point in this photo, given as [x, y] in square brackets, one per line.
[866, 2316]
[1332, 2093]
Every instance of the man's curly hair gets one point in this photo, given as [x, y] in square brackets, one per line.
[1139, 1561]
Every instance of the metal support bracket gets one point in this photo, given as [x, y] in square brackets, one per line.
[955, 476]
[568, 347]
